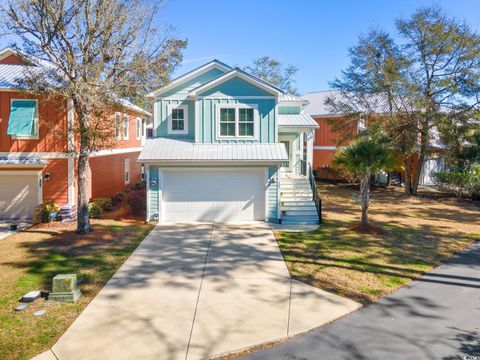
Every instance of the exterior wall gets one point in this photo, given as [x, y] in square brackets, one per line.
[132, 141]
[56, 189]
[153, 205]
[207, 122]
[273, 195]
[235, 87]
[181, 91]
[52, 125]
[162, 113]
[107, 173]
[13, 60]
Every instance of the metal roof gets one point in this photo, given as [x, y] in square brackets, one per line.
[300, 120]
[292, 98]
[172, 150]
[26, 161]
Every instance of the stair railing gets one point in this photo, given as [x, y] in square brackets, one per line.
[316, 196]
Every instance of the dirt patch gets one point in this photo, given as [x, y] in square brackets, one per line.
[366, 229]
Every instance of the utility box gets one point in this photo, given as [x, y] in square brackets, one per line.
[64, 288]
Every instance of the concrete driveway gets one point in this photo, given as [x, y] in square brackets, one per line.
[195, 291]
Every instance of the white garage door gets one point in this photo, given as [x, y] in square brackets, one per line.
[213, 195]
[18, 196]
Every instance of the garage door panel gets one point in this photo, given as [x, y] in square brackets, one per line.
[18, 196]
[213, 196]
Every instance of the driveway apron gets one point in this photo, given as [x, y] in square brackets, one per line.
[192, 291]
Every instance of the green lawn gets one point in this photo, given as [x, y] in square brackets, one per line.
[29, 261]
[414, 235]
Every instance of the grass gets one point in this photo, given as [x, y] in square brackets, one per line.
[418, 233]
[31, 258]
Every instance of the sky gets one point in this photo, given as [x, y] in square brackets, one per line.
[313, 35]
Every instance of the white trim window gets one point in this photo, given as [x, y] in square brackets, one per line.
[126, 127]
[237, 121]
[177, 119]
[118, 133]
[139, 128]
[127, 171]
[361, 124]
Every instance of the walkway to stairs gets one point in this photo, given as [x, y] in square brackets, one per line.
[296, 199]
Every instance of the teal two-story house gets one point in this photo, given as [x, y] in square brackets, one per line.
[228, 146]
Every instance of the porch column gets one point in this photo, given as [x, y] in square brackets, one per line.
[310, 135]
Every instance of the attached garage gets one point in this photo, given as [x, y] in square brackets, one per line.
[213, 195]
[19, 194]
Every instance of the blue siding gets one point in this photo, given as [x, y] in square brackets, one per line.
[153, 192]
[266, 114]
[162, 116]
[272, 197]
[235, 87]
[183, 89]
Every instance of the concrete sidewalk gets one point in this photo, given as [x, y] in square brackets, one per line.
[195, 291]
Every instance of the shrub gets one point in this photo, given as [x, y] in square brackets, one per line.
[46, 209]
[140, 185]
[461, 183]
[94, 211]
[137, 202]
[105, 203]
[118, 198]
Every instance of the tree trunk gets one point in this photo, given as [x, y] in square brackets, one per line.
[83, 220]
[421, 160]
[365, 198]
[408, 183]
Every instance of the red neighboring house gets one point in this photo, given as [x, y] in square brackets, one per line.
[35, 165]
[326, 140]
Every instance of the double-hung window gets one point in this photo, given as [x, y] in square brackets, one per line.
[127, 171]
[236, 121]
[117, 126]
[178, 119]
[126, 127]
[139, 128]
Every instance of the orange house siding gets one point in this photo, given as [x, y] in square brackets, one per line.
[107, 173]
[132, 141]
[56, 189]
[13, 60]
[52, 125]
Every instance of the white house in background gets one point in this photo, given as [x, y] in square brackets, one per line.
[228, 146]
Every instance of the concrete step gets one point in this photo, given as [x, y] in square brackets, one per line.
[300, 213]
[295, 206]
[299, 221]
[289, 203]
[297, 197]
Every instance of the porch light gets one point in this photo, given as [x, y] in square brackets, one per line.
[153, 182]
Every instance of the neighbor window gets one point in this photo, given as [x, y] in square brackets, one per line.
[139, 128]
[178, 119]
[23, 120]
[361, 124]
[126, 127]
[127, 171]
[117, 126]
[236, 121]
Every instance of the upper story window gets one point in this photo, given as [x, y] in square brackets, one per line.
[127, 171]
[23, 120]
[361, 124]
[126, 127]
[178, 119]
[117, 126]
[236, 121]
[139, 128]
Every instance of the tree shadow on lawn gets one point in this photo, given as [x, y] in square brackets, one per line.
[94, 257]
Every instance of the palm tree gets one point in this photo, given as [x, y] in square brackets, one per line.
[362, 159]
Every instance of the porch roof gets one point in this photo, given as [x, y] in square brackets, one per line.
[172, 150]
[299, 120]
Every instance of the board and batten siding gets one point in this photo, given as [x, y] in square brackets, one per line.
[162, 114]
[272, 195]
[208, 113]
[153, 202]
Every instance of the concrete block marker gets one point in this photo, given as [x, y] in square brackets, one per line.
[31, 296]
[64, 288]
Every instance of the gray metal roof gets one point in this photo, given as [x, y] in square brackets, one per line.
[26, 161]
[300, 120]
[171, 150]
[291, 98]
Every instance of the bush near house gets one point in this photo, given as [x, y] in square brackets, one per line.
[136, 200]
[94, 211]
[105, 203]
[464, 184]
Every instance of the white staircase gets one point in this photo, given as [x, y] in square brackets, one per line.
[296, 200]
